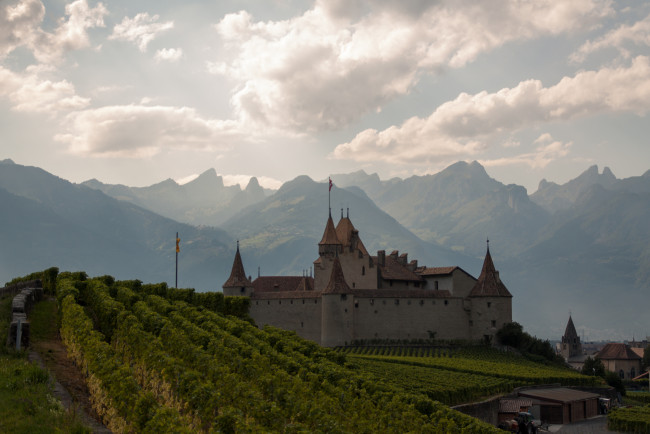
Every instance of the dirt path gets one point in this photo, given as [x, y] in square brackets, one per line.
[70, 386]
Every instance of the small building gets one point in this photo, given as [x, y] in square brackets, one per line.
[571, 347]
[620, 358]
[561, 405]
[510, 408]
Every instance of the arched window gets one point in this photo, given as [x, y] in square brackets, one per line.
[363, 270]
[621, 374]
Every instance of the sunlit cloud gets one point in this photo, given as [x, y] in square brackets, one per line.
[169, 54]
[141, 30]
[547, 151]
[143, 131]
[462, 128]
[637, 34]
[338, 61]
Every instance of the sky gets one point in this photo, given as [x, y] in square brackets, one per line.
[137, 92]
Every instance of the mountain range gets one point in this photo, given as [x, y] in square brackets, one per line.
[581, 247]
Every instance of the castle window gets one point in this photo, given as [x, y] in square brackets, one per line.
[372, 301]
[632, 373]
[417, 284]
[302, 324]
[494, 323]
[346, 311]
[621, 374]
[446, 302]
[268, 302]
[344, 297]
[435, 285]
[363, 270]
[397, 301]
[356, 304]
[316, 301]
[421, 302]
[390, 283]
[256, 303]
[303, 301]
[408, 302]
[471, 323]
[489, 304]
[279, 301]
[375, 333]
[383, 301]
[354, 285]
[291, 301]
[242, 290]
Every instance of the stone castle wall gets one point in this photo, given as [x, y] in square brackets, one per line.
[302, 315]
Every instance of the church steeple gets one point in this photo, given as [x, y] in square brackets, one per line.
[237, 283]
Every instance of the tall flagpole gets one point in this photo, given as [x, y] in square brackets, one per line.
[329, 194]
[178, 249]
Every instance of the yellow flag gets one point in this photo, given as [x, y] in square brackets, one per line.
[178, 245]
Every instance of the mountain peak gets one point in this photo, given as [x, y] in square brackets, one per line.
[7, 161]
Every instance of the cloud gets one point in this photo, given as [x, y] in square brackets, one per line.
[29, 92]
[462, 128]
[547, 151]
[169, 54]
[140, 30]
[338, 61]
[134, 131]
[638, 33]
[20, 26]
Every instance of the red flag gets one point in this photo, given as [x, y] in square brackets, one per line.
[330, 184]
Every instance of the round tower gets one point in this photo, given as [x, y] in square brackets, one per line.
[337, 316]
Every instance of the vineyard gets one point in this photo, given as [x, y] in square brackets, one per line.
[481, 361]
[630, 419]
[167, 360]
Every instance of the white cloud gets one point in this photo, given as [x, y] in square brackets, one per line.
[134, 131]
[547, 151]
[30, 92]
[338, 61]
[169, 54]
[638, 33]
[20, 26]
[141, 30]
[462, 127]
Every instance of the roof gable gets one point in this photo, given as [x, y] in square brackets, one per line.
[617, 351]
[329, 236]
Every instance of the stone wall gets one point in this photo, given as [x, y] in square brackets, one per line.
[302, 315]
[21, 305]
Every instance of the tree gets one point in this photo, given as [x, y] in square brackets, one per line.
[646, 358]
[593, 367]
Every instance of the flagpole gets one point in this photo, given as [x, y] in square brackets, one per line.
[177, 249]
[329, 195]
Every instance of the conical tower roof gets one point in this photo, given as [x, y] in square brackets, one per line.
[337, 284]
[329, 236]
[345, 231]
[237, 274]
[489, 284]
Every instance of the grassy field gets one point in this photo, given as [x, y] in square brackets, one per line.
[27, 402]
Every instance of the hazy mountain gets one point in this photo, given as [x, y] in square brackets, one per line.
[48, 221]
[554, 197]
[283, 231]
[203, 201]
[458, 208]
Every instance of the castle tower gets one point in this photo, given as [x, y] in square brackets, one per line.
[337, 320]
[328, 248]
[571, 345]
[238, 283]
[491, 302]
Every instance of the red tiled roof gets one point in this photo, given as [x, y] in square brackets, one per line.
[329, 236]
[344, 232]
[616, 351]
[282, 283]
[433, 271]
[489, 284]
[394, 270]
[237, 274]
[336, 284]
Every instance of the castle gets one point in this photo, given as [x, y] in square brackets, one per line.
[355, 296]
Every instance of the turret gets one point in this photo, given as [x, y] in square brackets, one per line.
[491, 302]
[329, 245]
[337, 320]
[238, 283]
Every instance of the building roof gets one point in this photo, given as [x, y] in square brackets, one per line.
[337, 283]
[394, 270]
[436, 271]
[489, 283]
[617, 351]
[345, 231]
[558, 394]
[237, 274]
[283, 283]
[570, 332]
[329, 236]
